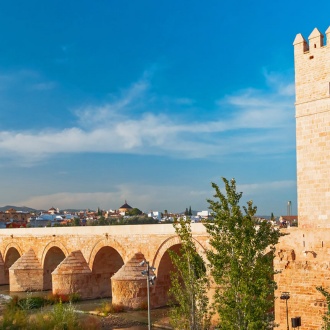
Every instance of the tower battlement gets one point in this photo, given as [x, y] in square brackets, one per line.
[315, 41]
[312, 67]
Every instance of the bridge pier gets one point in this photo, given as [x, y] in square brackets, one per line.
[26, 274]
[2, 271]
[73, 275]
[129, 286]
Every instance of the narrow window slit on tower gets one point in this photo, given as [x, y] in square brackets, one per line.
[311, 57]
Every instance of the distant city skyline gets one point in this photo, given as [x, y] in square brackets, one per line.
[149, 102]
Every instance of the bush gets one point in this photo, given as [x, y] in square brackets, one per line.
[61, 317]
[63, 298]
[110, 308]
[74, 297]
[32, 302]
[27, 303]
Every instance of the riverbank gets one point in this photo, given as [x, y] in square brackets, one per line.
[130, 320]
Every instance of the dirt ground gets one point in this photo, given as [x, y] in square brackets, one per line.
[137, 319]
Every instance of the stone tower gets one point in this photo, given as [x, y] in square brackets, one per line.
[312, 81]
[302, 256]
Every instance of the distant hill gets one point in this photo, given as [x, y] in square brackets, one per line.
[29, 209]
[17, 208]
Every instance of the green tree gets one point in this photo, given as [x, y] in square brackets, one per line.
[326, 316]
[189, 212]
[134, 211]
[189, 284]
[101, 221]
[241, 268]
[75, 221]
[99, 212]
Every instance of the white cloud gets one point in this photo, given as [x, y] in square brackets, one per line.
[257, 122]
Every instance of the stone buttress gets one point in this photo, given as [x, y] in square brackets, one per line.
[26, 274]
[129, 286]
[73, 275]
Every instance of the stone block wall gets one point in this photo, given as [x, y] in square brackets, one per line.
[303, 262]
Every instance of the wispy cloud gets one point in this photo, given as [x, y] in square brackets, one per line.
[283, 86]
[257, 188]
[24, 80]
[120, 109]
[134, 121]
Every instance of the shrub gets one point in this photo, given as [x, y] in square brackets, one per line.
[31, 302]
[110, 308]
[64, 298]
[63, 317]
[74, 297]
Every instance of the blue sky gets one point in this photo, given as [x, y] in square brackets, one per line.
[149, 101]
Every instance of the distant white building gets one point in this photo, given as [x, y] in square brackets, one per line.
[46, 219]
[204, 214]
[195, 218]
[155, 214]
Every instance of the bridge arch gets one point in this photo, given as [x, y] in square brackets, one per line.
[12, 245]
[53, 254]
[105, 261]
[50, 245]
[170, 242]
[12, 253]
[163, 264]
[99, 245]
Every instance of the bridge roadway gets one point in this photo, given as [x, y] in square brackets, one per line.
[83, 260]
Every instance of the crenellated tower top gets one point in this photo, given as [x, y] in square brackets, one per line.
[315, 41]
[312, 71]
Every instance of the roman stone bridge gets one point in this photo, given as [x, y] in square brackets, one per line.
[83, 260]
